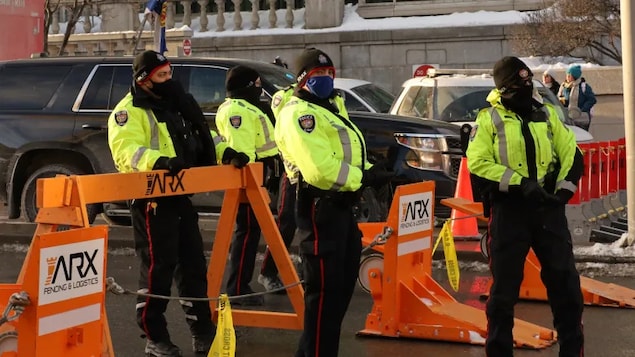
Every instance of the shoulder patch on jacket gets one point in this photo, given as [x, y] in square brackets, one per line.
[307, 122]
[276, 100]
[121, 117]
[473, 132]
[235, 121]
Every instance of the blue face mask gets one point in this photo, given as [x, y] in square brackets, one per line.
[320, 86]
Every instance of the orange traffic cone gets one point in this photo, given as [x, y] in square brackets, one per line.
[464, 228]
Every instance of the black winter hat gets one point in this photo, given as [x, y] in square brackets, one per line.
[240, 77]
[510, 70]
[146, 63]
[310, 59]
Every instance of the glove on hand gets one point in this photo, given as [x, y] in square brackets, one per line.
[173, 164]
[233, 157]
[532, 191]
[563, 196]
[376, 177]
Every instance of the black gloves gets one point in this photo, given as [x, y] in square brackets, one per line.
[233, 157]
[532, 191]
[376, 176]
[173, 164]
[564, 196]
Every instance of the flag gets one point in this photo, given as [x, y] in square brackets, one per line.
[157, 10]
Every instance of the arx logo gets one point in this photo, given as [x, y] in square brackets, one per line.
[74, 266]
[415, 210]
[164, 182]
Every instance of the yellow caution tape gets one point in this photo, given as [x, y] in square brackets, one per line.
[224, 344]
[449, 251]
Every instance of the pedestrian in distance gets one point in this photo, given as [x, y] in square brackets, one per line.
[550, 81]
[577, 95]
[158, 126]
[326, 154]
[246, 123]
[526, 164]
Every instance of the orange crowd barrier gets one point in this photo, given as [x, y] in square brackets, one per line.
[594, 292]
[63, 272]
[407, 301]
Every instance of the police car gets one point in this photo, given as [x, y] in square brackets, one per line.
[457, 95]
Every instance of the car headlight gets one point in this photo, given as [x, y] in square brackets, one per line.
[426, 150]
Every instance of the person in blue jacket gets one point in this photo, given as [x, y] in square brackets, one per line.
[577, 95]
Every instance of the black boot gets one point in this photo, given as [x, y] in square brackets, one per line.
[162, 349]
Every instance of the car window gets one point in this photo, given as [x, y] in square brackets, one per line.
[352, 104]
[120, 85]
[107, 87]
[458, 104]
[30, 87]
[207, 85]
[416, 102]
[378, 98]
[276, 76]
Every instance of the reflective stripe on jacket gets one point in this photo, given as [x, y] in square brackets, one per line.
[246, 129]
[497, 150]
[320, 145]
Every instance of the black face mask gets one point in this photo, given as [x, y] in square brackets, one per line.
[165, 89]
[520, 100]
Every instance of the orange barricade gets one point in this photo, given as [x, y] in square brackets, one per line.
[594, 292]
[67, 314]
[407, 301]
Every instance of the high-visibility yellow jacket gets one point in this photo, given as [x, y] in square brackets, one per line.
[497, 149]
[246, 129]
[328, 150]
[136, 139]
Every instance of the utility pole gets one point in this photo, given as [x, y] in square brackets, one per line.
[628, 76]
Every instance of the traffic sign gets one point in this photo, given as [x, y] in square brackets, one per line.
[187, 47]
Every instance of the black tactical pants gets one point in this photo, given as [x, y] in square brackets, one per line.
[514, 228]
[330, 245]
[286, 223]
[242, 253]
[169, 244]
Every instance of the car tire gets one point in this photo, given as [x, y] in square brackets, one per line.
[369, 209]
[28, 199]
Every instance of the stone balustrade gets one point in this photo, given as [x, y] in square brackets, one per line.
[174, 20]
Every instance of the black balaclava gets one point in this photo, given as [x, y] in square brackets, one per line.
[512, 72]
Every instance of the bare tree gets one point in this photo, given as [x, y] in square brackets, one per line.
[581, 28]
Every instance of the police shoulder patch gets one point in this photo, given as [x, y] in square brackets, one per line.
[121, 117]
[307, 122]
[473, 132]
[235, 121]
[276, 101]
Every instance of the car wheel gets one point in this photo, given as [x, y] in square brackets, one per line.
[369, 209]
[28, 203]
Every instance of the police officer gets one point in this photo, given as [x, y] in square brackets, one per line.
[286, 198]
[157, 125]
[247, 125]
[326, 153]
[527, 164]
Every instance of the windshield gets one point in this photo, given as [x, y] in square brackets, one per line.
[458, 104]
[378, 98]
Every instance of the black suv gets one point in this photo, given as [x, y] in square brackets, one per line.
[53, 114]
